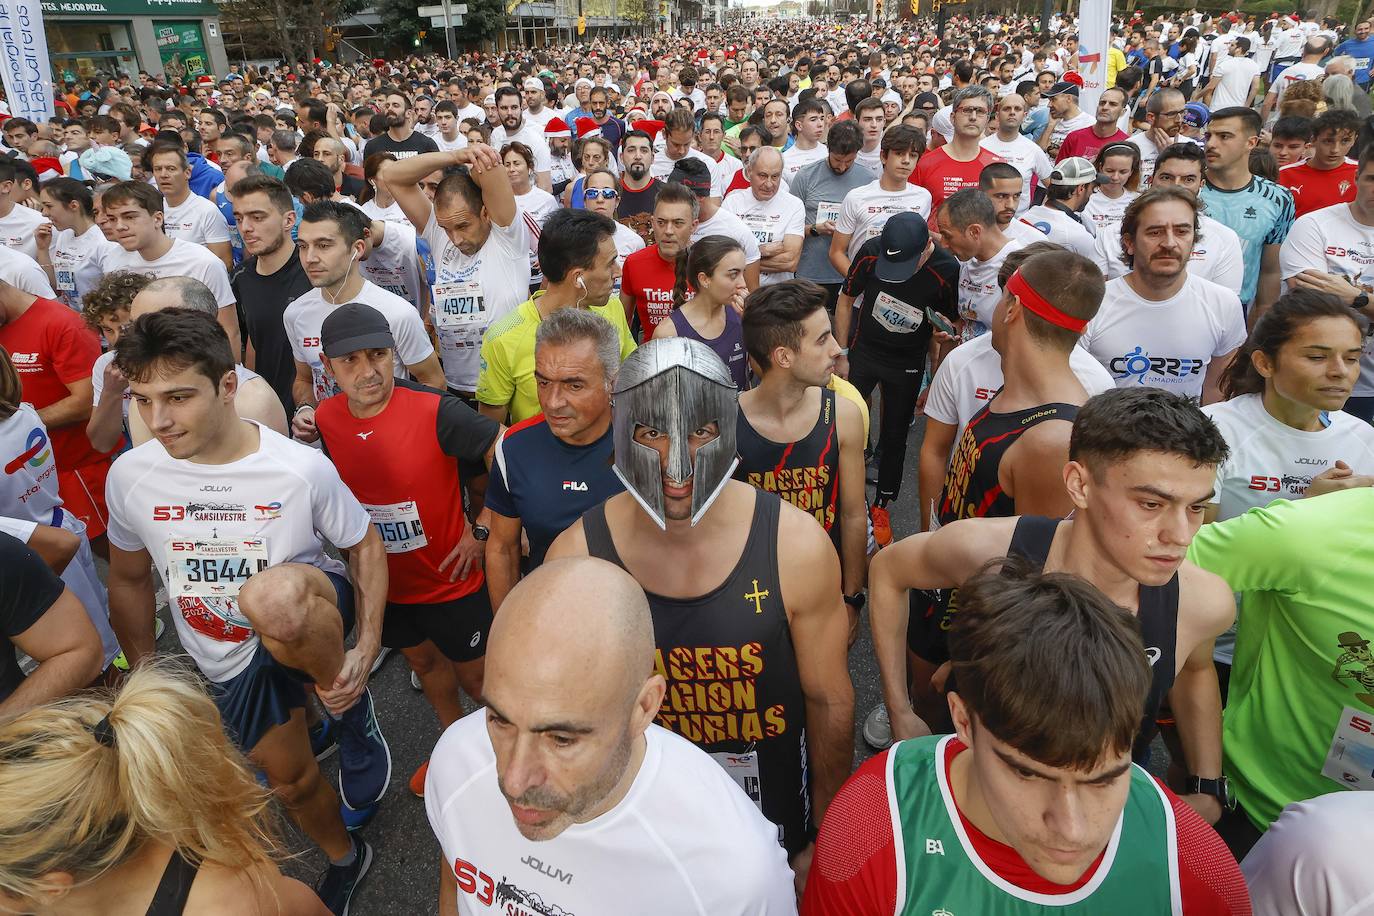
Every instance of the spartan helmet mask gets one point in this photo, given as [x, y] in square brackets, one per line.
[676, 386]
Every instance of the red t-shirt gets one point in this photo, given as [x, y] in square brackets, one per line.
[649, 279]
[1315, 189]
[404, 466]
[942, 175]
[1083, 142]
[854, 871]
[51, 347]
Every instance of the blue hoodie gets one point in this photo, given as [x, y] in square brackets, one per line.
[205, 177]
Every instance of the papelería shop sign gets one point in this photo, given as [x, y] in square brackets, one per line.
[130, 8]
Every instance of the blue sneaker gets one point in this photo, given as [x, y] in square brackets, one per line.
[364, 758]
[337, 884]
[324, 738]
[356, 820]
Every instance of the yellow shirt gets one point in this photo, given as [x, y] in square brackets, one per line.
[850, 393]
[506, 368]
[1116, 62]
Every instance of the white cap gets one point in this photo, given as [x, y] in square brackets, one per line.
[535, 84]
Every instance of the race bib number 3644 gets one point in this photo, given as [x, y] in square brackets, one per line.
[213, 567]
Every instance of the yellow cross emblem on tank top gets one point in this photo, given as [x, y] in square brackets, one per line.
[757, 597]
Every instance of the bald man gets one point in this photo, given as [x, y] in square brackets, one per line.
[255, 400]
[774, 216]
[563, 790]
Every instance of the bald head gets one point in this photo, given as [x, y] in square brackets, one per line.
[174, 293]
[570, 688]
[586, 618]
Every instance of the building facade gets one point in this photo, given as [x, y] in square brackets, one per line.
[103, 38]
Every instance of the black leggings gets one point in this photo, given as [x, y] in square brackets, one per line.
[900, 390]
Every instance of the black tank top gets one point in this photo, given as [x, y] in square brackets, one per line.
[175, 887]
[806, 473]
[733, 687]
[1158, 616]
[971, 486]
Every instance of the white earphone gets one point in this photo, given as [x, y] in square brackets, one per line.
[582, 283]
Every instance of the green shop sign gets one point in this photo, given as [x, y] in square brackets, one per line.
[129, 8]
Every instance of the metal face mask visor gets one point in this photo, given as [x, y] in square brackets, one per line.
[676, 386]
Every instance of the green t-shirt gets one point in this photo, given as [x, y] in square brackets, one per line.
[1302, 640]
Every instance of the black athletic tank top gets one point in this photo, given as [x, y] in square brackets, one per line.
[733, 687]
[806, 473]
[175, 887]
[1158, 616]
[971, 487]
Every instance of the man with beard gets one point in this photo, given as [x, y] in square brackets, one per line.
[400, 139]
[1160, 325]
[1164, 113]
[516, 128]
[821, 187]
[638, 188]
[536, 97]
[611, 129]
[752, 576]
[565, 767]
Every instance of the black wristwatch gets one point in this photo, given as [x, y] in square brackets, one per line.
[480, 532]
[856, 600]
[1360, 301]
[1219, 788]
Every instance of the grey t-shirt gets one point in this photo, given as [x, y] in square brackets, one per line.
[815, 184]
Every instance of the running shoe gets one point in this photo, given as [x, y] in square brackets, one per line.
[878, 729]
[324, 738]
[415, 682]
[356, 820]
[380, 660]
[882, 525]
[337, 884]
[417, 782]
[364, 757]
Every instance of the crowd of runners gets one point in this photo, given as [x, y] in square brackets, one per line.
[583, 377]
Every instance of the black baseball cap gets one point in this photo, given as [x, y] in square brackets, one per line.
[693, 173]
[904, 240]
[353, 327]
[1062, 87]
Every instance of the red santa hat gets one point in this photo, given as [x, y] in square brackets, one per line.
[46, 167]
[557, 128]
[586, 127]
[1073, 76]
[652, 128]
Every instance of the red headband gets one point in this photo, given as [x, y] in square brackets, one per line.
[1021, 289]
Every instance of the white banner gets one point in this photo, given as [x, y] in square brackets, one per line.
[1094, 36]
[26, 69]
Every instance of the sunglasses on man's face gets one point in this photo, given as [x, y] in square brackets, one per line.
[604, 193]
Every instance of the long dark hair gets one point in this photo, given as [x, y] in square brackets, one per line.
[701, 257]
[1275, 328]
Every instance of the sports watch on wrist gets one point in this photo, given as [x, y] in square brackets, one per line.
[480, 532]
[856, 600]
[1219, 788]
[1360, 301]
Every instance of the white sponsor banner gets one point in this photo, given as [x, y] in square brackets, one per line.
[26, 69]
[1094, 37]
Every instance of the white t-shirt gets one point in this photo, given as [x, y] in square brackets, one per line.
[795, 159]
[1149, 153]
[304, 319]
[17, 228]
[1329, 240]
[530, 134]
[1296, 73]
[275, 505]
[542, 117]
[1062, 229]
[1315, 858]
[972, 372]
[723, 222]
[1217, 254]
[28, 489]
[769, 220]
[445, 146]
[183, 259]
[196, 220]
[1105, 214]
[1068, 125]
[867, 208]
[394, 265]
[978, 289]
[79, 262]
[1237, 76]
[1166, 344]
[22, 272]
[472, 110]
[729, 167]
[1029, 159]
[536, 205]
[873, 161]
[684, 839]
[472, 292]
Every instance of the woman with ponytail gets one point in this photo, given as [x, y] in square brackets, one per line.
[1282, 415]
[376, 198]
[136, 803]
[714, 268]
